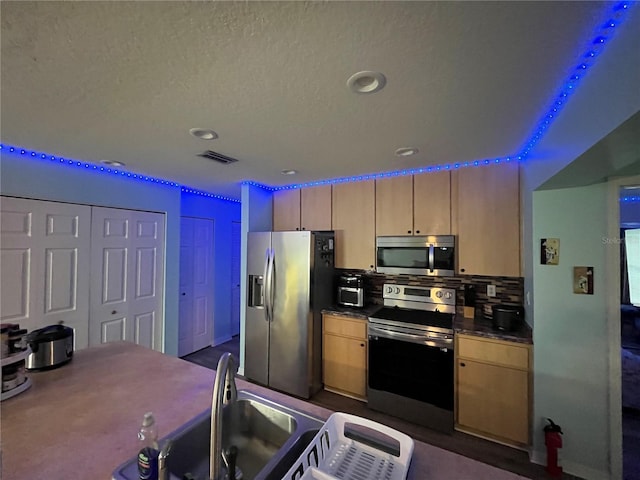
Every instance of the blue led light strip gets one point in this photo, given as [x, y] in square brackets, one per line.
[630, 199]
[604, 34]
[23, 152]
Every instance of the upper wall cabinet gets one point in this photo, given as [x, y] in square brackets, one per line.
[353, 215]
[316, 208]
[302, 209]
[286, 210]
[486, 214]
[414, 205]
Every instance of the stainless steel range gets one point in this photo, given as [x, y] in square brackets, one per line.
[410, 368]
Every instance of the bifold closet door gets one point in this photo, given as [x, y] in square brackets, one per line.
[45, 249]
[127, 272]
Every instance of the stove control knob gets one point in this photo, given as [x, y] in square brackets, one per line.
[448, 295]
[397, 289]
[389, 289]
[439, 294]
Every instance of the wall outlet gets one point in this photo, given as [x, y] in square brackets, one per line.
[491, 290]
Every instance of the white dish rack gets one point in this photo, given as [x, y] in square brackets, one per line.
[332, 455]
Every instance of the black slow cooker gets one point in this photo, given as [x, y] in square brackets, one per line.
[507, 317]
[51, 347]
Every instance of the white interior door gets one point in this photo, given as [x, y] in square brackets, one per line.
[127, 265]
[196, 285]
[235, 277]
[45, 253]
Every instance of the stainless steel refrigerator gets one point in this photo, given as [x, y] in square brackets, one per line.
[290, 280]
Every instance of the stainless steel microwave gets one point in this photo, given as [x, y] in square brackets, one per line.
[416, 255]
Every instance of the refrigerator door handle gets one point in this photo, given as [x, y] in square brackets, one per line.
[272, 280]
[265, 291]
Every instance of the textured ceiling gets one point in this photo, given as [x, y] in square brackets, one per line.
[126, 81]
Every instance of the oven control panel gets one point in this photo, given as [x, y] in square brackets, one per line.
[413, 293]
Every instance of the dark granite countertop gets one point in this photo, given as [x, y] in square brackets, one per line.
[483, 327]
[479, 325]
[353, 312]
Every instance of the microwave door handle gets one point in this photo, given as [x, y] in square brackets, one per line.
[431, 257]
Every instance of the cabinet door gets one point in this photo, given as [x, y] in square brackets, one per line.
[394, 206]
[316, 208]
[344, 362]
[487, 220]
[493, 400]
[432, 203]
[286, 210]
[353, 218]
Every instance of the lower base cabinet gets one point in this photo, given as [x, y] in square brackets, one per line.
[344, 355]
[493, 381]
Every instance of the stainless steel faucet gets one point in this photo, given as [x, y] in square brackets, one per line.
[224, 392]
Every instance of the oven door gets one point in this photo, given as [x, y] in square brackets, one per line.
[404, 365]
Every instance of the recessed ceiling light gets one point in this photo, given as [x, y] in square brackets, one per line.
[289, 172]
[406, 151]
[203, 133]
[112, 163]
[366, 82]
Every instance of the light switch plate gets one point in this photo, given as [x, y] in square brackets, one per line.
[491, 290]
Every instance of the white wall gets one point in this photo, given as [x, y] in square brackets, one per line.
[571, 351]
[45, 180]
[223, 214]
[257, 216]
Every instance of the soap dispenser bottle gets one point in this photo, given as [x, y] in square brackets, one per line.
[148, 453]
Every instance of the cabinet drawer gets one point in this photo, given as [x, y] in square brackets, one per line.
[349, 327]
[494, 351]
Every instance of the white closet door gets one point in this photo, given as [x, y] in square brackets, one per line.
[127, 281]
[45, 254]
[196, 285]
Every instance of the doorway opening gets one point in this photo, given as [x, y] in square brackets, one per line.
[630, 329]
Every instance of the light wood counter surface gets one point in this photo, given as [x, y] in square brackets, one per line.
[81, 419]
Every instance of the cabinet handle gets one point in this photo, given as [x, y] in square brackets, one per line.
[462, 270]
[362, 344]
[408, 231]
[417, 231]
[462, 364]
[113, 312]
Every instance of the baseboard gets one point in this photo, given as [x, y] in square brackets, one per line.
[218, 341]
[572, 468]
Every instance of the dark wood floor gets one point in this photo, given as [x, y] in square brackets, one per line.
[500, 456]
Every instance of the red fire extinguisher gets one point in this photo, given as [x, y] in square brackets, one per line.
[553, 441]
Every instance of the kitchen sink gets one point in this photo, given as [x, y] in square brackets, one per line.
[269, 438]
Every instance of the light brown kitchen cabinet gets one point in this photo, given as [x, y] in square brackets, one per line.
[486, 212]
[315, 208]
[493, 384]
[302, 209]
[353, 219]
[344, 355]
[414, 205]
[286, 210]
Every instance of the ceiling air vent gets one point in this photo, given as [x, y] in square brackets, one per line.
[218, 157]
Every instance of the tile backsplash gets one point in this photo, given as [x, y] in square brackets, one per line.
[509, 290]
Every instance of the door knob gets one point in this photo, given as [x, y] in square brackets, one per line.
[183, 293]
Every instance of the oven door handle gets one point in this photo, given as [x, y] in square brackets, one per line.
[409, 337]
